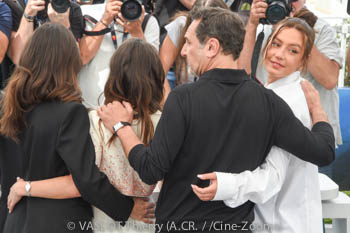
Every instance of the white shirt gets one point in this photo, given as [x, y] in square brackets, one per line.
[285, 188]
[326, 42]
[93, 76]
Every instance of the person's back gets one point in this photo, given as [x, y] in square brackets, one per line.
[43, 120]
[223, 135]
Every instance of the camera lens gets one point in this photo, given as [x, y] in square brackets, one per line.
[276, 12]
[131, 10]
[60, 6]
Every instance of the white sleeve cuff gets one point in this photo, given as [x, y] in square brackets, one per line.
[227, 186]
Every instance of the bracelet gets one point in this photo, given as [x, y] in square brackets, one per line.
[104, 24]
[28, 18]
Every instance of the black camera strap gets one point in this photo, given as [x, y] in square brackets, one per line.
[256, 55]
[111, 29]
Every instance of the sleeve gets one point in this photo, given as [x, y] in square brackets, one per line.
[153, 162]
[152, 31]
[316, 146]
[326, 42]
[174, 29]
[5, 20]
[257, 186]
[76, 21]
[75, 147]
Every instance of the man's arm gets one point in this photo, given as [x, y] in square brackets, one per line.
[25, 30]
[325, 59]
[257, 11]
[324, 70]
[89, 45]
[153, 162]
[317, 146]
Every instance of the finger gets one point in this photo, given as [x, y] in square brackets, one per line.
[207, 176]
[128, 106]
[200, 196]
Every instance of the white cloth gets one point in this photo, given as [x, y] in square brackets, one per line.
[174, 29]
[285, 188]
[326, 42]
[93, 76]
[111, 160]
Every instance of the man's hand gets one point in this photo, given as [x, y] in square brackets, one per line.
[313, 102]
[143, 210]
[61, 18]
[115, 112]
[112, 9]
[34, 6]
[132, 27]
[207, 193]
[257, 11]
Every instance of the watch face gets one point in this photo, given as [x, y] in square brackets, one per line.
[27, 187]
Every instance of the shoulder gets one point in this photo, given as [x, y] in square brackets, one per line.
[5, 19]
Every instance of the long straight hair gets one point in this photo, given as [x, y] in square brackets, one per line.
[47, 71]
[137, 76]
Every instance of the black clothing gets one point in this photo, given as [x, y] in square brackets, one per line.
[57, 143]
[10, 168]
[223, 122]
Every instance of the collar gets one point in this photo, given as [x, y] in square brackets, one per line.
[284, 81]
[225, 75]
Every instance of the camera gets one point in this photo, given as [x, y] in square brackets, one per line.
[131, 10]
[277, 10]
[60, 6]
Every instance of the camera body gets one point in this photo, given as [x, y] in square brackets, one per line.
[60, 6]
[277, 10]
[131, 10]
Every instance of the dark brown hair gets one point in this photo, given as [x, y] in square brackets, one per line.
[137, 76]
[300, 25]
[226, 26]
[180, 62]
[47, 71]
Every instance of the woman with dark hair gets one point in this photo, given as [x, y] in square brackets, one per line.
[143, 88]
[42, 112]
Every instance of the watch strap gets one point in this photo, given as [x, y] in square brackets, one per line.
[120, 125]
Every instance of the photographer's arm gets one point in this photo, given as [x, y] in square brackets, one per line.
[257, 11]
[89, 45]
[4, 43]
[187, 3]
[25, 30]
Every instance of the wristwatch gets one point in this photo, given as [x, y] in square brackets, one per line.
[28, 187]
[120, 125]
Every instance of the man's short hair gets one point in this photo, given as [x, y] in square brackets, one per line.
[224, 25]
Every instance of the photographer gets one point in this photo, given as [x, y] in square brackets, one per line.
[5, 28]
[71, 19]
[96, 51]
[323, 65]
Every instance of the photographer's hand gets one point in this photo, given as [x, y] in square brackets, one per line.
[133, 27]
[257, 11]
[61, 18]
[111, 11]
[34, 6]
